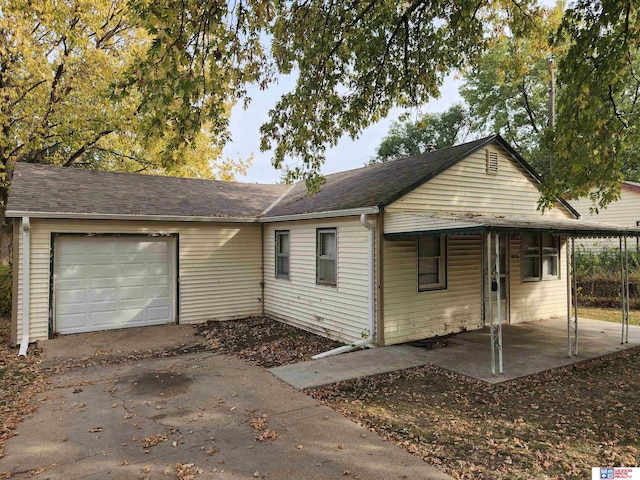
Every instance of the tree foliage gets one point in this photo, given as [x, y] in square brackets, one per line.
[357, 60]
[148, 84]
[598, 139]
[71, 93]
[507, 90]
[412, 138]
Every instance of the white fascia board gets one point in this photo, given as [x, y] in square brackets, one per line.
[106, 216]
[330, 214]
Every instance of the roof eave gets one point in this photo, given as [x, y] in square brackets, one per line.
[108, 216]
[326, 214]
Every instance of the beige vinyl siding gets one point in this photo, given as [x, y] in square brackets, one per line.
[624, 211]
[411, 315]
[467, 188]
[338, 312]
[220, 267]
[536, 300]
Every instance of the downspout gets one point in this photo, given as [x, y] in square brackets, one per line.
[371, 299]
[26, 268]
[262, 273]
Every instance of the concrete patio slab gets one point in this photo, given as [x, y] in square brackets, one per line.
[528, 348]
[92, 421]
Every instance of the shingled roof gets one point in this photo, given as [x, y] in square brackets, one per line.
[43, 189]
[46, 189]
[374, 185]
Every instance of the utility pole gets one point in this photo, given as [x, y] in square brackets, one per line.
[551, 123]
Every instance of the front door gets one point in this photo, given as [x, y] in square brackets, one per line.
[491, 288]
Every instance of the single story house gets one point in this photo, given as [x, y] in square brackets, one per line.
[624, 211]
[385, 254]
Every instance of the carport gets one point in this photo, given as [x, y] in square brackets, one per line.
[415, 224]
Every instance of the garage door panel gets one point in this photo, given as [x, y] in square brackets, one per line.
[156, 313]
[72, 284]
[121, 319]
[159, 291]
[75, 321]
[74, 296]
[155, 280]
[101, 294]
[109, 282]
[156, 268]
[132, 293]
[129, 269]
[73, 271]
[99, 271]
[104, 283]
[72, 248]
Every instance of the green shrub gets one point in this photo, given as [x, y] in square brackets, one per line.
[6, 285]
[598, 277]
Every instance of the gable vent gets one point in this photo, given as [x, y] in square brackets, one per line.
[492, 162]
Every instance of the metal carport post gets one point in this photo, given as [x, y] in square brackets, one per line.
[572, 322]
[495, 326]
[624, 291]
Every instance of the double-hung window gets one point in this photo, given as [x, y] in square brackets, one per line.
[432, 262]
[540, 257]
[282, 254]
[326, 256]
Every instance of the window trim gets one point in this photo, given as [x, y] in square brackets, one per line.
[278, 254]
[319, 232]
[443, 266]
[542, 277]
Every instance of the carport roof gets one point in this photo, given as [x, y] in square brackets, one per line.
[410, 224]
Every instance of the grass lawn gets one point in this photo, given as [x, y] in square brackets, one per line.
[554, 425]
[608, 314]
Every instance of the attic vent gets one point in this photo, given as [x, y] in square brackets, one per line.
[492, 163]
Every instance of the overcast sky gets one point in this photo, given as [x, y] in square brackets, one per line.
[348, 154]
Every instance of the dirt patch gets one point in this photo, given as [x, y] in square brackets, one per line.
[263, 341]
[554, 425]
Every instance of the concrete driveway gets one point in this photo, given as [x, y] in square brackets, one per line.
[139, 419]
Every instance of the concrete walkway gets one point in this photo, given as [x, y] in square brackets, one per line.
[528, 348]
[362, 363]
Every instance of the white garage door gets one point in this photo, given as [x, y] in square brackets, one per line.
[102, 283]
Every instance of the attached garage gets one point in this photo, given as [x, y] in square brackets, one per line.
[98, 250]
[107, 282]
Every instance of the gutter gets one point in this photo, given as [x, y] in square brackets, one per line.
[26, 267]
[313, 215]
[371, 299]
[172, 218]
[109, 216]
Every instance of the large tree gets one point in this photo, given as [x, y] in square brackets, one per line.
[186, 63]
[71, 93]
[597, 141]
[439, 130]
[508, 90]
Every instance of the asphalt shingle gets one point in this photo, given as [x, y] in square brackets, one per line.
[38, 188]
[374, 185]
